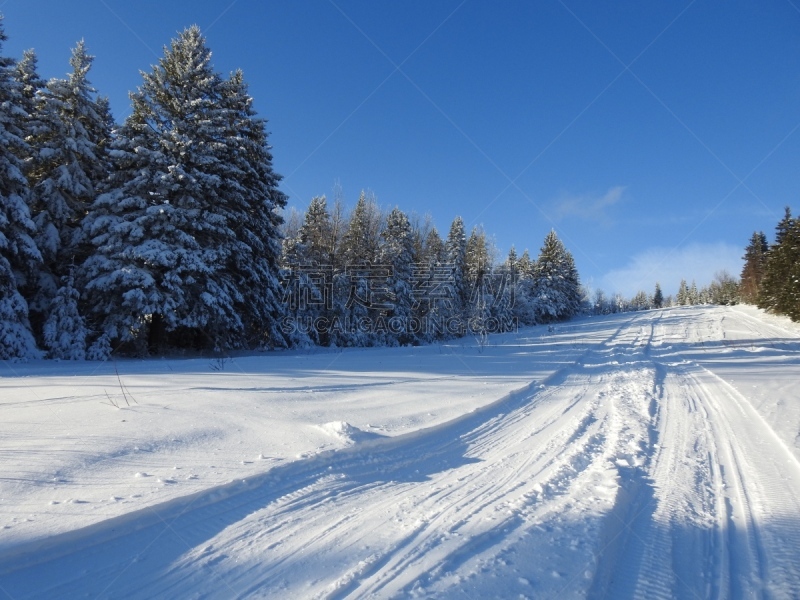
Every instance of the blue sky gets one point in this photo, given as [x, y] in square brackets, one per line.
[654, 137]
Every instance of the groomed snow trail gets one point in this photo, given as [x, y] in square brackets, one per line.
[635, 472]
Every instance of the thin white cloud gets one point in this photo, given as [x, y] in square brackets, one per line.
[698, 262]
[587, 206]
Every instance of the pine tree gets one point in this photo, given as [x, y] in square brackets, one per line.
[433, 250]
[557, 291]
[253, 202]
[640, 301]
[314, 244]
[68, 137]
[308, 258]
[353, 279]
[755, 262]
[65, 330]
[694, 296]
[186, 237]
[397, 253]
[477, 261]
[780, 287]
[20, 259]
[793, 296]
[27, 76]
[455, 258]
[525, 301]
[512, 261]
[431, 287]
[361, 240]
[658, 297]
[724, 290]
[478, 275]
[683, 294]
[507, 278]
[100, 349]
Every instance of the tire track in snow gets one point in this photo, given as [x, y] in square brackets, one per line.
[762, 489]
[714, 513]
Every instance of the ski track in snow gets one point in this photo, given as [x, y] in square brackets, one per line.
[633, 471]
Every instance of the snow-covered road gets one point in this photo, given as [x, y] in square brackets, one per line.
[654, 457]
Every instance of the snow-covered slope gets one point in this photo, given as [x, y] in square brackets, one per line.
[649, 455]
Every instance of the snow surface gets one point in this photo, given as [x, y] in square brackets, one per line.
[647, 455]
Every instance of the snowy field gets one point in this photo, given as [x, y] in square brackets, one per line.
[642, 455]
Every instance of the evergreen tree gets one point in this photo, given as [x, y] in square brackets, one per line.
[313, 244]
[65, 330]
[694, 297]
[557, 290]
[433, 249]
[526, 264]
[780, 287]
[352, 281]
[307, 257]
[337, 230]
[683, 294]
[27, 76]
[658, 297]
[477, 261]
[361, 241]
[640, 301]
[512, 261]
[397, 253]
[755, 262]
[186, 237]
[724, 290]
[431, 288]
[249, 186]
[455, 258]
[477, 270]
[68, 135]
[525, 301]
[20, 260]
[504, 291]
[600, 304]
[100, 350]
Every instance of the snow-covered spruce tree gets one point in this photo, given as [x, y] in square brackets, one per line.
[455, 248]
[429, 291]
[477, 262]
[724, 290]
[397, 253]
[186, 237]
[658, 297]
[68, 136]
[307, 256]
[362, 238]
[640, 301]
[683, 294]
[504, 292]
[27, 75]
[780, 287]
[524, 300]
[65, 330]
[433, 250]
[20, 260]
[353, 281]
[755, 262]
[477, 271]
[557, 290]
[314, 243]
[252, 204]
